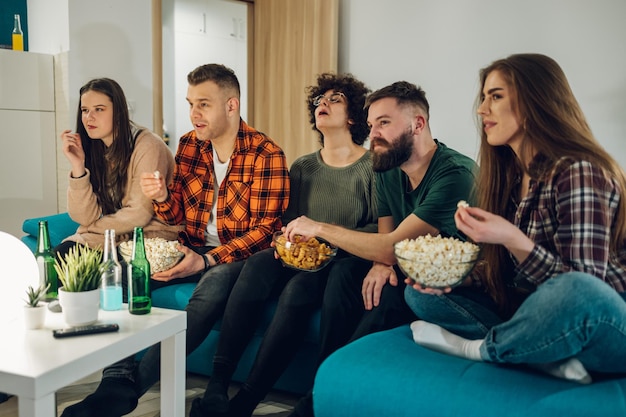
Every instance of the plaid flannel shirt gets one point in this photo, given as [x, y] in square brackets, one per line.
[570, 217]
[250, 202]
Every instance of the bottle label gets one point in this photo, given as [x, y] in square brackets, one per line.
[18, 42]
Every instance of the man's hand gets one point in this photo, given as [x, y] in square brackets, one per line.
[426, 290]
[153, 186]
[374, 282]
[303, 226]
[192, 263]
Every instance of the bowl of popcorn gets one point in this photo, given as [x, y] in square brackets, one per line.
[302, 254]
[436, 262]
[162, 254]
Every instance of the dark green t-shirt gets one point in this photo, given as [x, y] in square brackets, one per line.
[449, 178]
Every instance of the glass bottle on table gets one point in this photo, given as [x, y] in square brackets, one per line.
[111, 275]
[17, 35]
[139, 299]
[45, 261]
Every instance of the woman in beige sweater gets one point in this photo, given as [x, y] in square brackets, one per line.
[107, 155]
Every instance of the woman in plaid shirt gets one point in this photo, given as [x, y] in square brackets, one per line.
[552, 223]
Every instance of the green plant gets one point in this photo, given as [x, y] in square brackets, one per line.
[79, 270]
[35, 295]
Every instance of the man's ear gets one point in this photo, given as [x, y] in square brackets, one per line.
[420, 123]
[232, 104]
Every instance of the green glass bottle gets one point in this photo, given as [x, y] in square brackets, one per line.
[139, 299]
[45, 260]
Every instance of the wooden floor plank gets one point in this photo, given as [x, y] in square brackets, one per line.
[277, 404]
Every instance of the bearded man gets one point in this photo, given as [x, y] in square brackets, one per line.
[419, 182]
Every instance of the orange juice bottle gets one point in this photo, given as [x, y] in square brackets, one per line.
[18, 35]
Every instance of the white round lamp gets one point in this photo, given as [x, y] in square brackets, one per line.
[19, 270]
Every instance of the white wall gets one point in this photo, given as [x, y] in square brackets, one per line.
[49, 26]
[113, 39]
[198, 32]
[441, 45]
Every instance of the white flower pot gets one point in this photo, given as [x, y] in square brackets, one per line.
[34, 317]
[80, 308]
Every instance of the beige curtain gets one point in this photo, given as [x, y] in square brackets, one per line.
[294, 40]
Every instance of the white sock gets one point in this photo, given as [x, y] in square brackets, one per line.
[435, 337]
[570, 369]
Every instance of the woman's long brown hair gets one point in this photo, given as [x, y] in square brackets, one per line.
[108, 167]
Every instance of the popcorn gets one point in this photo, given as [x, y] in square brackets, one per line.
[463, 204]
[156, 174]
[436, 262]
[162, 254]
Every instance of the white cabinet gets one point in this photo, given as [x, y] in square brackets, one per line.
[28, 169]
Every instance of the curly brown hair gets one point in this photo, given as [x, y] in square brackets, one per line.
[355, 92]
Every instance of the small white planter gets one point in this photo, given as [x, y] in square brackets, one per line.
[34, 317]
[80, 308]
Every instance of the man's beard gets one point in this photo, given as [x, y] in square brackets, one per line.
[397, 152]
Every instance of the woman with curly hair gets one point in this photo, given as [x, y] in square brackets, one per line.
[335, 185]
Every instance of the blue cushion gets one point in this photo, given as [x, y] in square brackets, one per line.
[60, 226]
[387, 374]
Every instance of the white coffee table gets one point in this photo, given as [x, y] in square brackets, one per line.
[34, 365]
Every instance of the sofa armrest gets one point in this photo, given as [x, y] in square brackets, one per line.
[60, 226]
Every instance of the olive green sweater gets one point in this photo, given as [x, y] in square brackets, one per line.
[344, 196]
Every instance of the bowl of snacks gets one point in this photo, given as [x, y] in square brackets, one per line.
[162, 254]
[304, 254]
[436, 262]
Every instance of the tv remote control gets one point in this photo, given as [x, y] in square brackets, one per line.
[83, 330]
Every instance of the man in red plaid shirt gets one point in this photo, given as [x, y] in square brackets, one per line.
[230, 189]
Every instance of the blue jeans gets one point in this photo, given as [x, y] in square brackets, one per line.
[572, 315]
[205, 307]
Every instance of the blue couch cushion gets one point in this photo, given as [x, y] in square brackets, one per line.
[60, 226]
[387, 374]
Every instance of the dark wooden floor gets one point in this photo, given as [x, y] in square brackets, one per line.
[277, 404]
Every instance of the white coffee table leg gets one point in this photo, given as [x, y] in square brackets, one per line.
[40, 407]
[173, 375]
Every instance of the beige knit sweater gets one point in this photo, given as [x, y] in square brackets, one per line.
[150, 154]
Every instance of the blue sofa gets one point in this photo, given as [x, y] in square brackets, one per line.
[298, 378]
[387, 374]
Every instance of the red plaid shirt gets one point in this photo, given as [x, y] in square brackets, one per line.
[250, 202]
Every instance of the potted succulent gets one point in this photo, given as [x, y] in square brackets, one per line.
[79, 297]
[35, 313]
